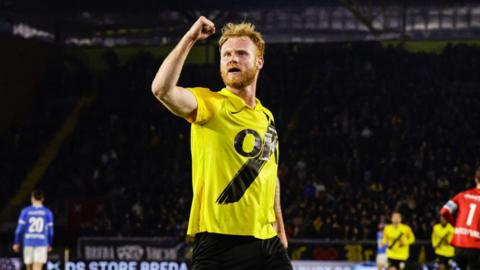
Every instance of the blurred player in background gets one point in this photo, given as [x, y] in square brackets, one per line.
[235, 215]
[382, 260]
[442, 234]
[463, 211]
[34, 232]
[398, 237]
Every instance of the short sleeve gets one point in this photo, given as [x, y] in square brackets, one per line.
[411, 235]
[451, 232]
[209, 103]
[452, 204]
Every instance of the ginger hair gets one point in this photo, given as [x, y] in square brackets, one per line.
[243, 29]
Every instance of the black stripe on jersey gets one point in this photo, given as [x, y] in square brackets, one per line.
[240, 183]
[251, 169]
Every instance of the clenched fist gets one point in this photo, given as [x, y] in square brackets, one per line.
[201, 29]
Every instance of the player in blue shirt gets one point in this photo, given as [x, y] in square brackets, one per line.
[34, 232]
[382, 260]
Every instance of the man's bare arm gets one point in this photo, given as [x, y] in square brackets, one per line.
[178, 100]
[280, 226]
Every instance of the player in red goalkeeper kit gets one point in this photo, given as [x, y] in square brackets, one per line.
[463, 211]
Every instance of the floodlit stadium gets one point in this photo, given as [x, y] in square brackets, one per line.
[372, 130]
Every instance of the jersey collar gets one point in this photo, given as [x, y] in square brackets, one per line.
[238, 103]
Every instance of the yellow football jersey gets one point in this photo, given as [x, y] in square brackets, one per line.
[398, 240]
[441, 238]
[234, 166]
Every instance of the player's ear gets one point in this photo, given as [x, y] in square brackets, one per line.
[259, 62]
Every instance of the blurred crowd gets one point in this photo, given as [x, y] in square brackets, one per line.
[364, 130]
[381, 129]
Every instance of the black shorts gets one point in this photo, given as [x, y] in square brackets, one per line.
[218, 252]
[443, 260]
[467, 258]
[399, 264]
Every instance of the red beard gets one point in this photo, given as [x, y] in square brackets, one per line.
[245, 78]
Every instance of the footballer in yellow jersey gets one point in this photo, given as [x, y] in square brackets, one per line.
[235, 216]
[398, 237]
[238, 197]
[442, 235]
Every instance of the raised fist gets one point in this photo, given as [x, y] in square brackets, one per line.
[201, 29]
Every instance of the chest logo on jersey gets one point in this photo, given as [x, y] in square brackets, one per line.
[258, 154]
[260, 149]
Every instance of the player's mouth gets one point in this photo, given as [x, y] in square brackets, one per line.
[234, 70]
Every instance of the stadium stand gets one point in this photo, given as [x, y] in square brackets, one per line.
[364, 129]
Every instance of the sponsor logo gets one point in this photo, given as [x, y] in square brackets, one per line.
[473, 197]
[131, 252]
[34, 236]
[117, 265]
[468, 232]
[37, 213]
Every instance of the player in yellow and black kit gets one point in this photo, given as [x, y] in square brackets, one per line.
[398, 237]
[235, 215]
[441, 237]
